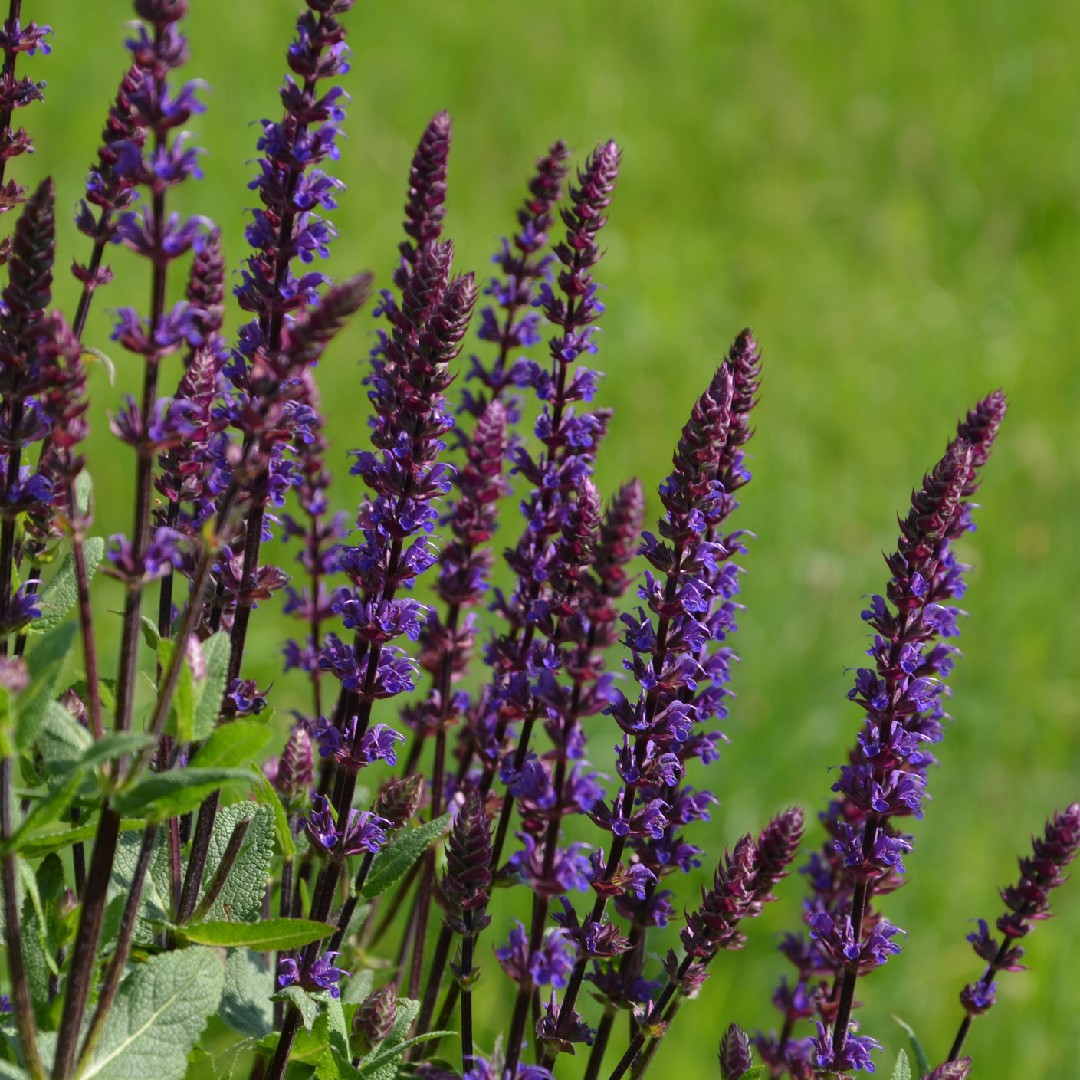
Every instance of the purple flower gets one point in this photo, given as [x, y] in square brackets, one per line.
[364, 833]
[320, 975]
[854, 1055]
[550, 965]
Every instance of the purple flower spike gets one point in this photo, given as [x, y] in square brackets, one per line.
[735, 1058]
[885, 778]
[511, 323]
[426, 206]
[1028, 902]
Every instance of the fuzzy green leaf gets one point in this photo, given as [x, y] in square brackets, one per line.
[180, 791]
[393, 862]
[232, 744]
[358, 987]
[62, 593]
[45, 662]
[62, 740]
[267, 796]
[210, 690]
[84, 487]
[241, 899]
[48, 809]
[245, 1002]
[306, 1004]
[264, 935]
[901, 1070]
[36, 847]
[159, 1013]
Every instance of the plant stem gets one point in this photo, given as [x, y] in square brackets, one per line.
[115, 968]
[20, 989]
[84, 952]
[200, 847]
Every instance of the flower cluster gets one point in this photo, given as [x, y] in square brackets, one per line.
[395, 813]
[884, 780]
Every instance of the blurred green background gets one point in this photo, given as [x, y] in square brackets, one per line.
[888, 194]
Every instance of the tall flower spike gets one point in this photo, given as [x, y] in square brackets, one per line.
[884, 781]
[511, 323]
[22, 323]
[1028, 902]
[110, 189]
[426, 205]
[17, 94]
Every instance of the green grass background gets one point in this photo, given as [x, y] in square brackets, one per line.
[888, 194]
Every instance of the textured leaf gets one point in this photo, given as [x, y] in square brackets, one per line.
[245, 1002]
[159, 1013]
[154, 905]
[113, 745]
[61, 594]
[84, 491]
[45, 662]
[307, 1005]
[901, 1070]
[265, 935]
[393, 862]
[235, 743]
[241, 899]
[358, 987]
[179, 791]
[62, 740]
[38, 962]
[210, 690]
[267, 796]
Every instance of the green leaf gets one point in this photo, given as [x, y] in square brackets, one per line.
[306, 1004]
[245, 1002]
[151, 633]
[179, 791]
[159, 1013]
[84, 491]
[393, 862]
[48, 809]
[358, 987]
[37, 961]
[62, 593]
[57, 841]
[241, 899]
[235, 743]
[264, 936]
[182, 707]
[210, 690]
[922, 1062]
[44, 663]
[265, 795]
[62, 740]
[335, 1021]
[901, 1070]
[114, 745]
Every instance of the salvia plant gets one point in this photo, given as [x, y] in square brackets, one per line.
[477, 806]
